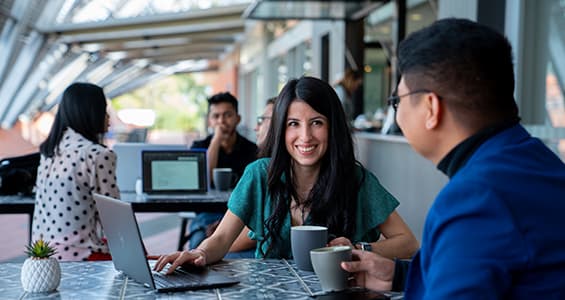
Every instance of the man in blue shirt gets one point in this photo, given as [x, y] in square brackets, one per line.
[495, 231]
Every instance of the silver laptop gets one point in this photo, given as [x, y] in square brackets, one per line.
[175, 174]
[129, 256]
[128, 165]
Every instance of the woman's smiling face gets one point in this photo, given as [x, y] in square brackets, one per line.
[306, 135]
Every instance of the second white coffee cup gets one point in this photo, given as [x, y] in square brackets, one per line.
[327, 265]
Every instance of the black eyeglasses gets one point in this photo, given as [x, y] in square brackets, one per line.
[261, 119]
[394, 100]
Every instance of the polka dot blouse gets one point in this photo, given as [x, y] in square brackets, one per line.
[65, 213]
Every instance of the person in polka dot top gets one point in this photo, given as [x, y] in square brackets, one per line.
[74, 164]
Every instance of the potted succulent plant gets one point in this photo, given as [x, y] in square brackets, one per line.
[41, 272]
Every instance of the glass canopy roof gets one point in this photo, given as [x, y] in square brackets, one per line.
[82, 11]
[117, 44]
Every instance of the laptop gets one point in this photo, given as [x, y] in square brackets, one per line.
[129, 256]
[128, 166]
[175, 174]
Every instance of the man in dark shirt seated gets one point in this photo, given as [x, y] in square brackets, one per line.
[226, 148]
[495, 229]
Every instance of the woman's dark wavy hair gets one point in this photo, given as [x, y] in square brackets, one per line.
[333, 198]
[82, 108]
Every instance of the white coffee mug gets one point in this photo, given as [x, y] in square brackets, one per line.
[138, 186]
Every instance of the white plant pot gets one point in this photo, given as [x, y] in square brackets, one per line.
[40, 275]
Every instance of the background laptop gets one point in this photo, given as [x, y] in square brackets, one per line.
[175, 173]
[128, 166]
[129, 257]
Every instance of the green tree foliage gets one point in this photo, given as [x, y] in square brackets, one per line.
[178, 101]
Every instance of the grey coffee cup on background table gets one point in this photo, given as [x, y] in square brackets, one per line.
[223, 178]
[302, 240]
[326, 262]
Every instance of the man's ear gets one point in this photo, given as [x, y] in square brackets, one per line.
[238, 120]
[434, 111]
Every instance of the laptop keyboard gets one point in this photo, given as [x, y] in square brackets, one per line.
[178, 278]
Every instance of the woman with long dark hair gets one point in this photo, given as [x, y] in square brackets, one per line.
[312, 178]
[74, 164]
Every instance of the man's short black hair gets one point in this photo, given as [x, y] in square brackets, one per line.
[271, 101]
[467, 64]
[225, 97]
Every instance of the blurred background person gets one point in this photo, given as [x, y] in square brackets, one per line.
[243, 246]
[74, 164]
[225, 148]
[345, 88]
[264, 122]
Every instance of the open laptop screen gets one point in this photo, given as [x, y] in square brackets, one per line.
[174, 171]
[128, 252]
[128, 166]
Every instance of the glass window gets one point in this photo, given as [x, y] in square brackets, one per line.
[282, 71]
[378, 49]
[307, 63]
[539, 46]
[555, 76]
[377, 73]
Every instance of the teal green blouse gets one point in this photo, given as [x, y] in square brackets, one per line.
[251, 202]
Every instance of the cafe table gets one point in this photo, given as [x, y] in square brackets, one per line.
[259, 279]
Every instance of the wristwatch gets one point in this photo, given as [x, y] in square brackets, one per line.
[365, 246]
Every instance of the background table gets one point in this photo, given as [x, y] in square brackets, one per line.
[259, 279]
[16, 204]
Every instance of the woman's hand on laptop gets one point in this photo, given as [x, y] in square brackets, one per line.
[195, 257]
